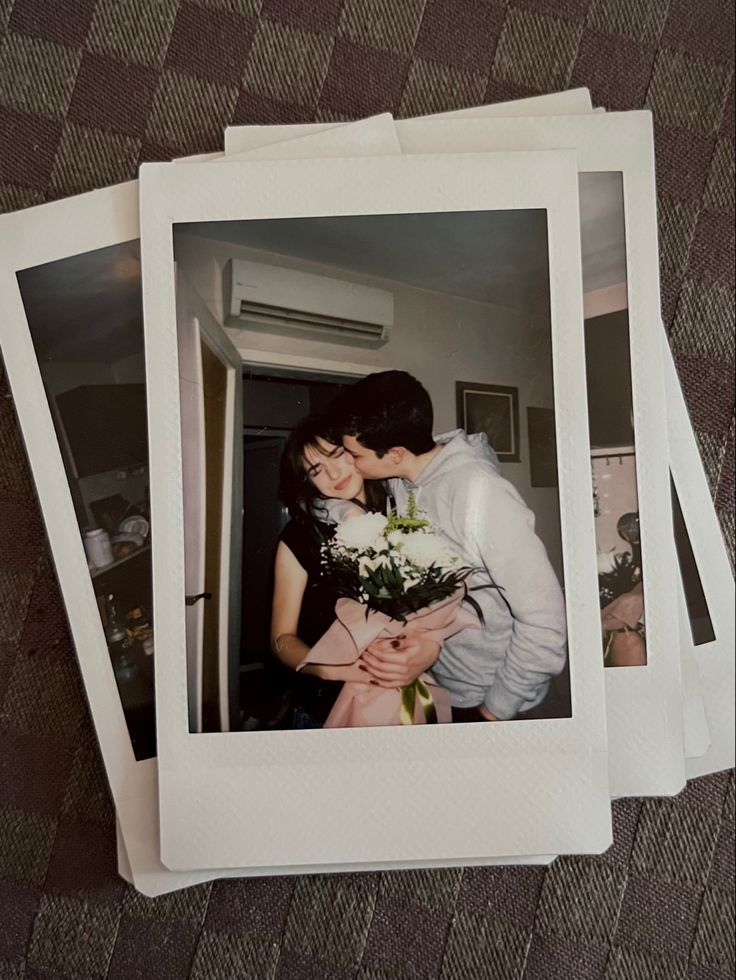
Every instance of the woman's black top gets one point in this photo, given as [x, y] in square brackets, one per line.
[305, 539]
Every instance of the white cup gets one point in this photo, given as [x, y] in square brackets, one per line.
[98, 548]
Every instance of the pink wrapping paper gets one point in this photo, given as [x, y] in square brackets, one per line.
[365, 705]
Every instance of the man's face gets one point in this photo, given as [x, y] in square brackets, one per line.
[367, 463]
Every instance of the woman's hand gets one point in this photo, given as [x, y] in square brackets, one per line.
[398, 662]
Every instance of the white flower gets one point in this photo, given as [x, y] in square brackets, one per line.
[424, 550]
[606, 561]
[366, 565]
[362, 532]
[397, 539]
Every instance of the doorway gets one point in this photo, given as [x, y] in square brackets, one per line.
[274, 402]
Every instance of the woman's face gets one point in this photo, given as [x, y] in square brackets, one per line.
[332, 471]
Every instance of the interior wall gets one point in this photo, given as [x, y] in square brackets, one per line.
[440, 339]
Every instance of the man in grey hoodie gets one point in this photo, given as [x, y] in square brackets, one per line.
[495, 673]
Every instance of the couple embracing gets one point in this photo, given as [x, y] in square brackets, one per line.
[376, 447]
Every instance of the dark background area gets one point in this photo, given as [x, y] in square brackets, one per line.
[90, 88]
[608, 369]
[272, 406]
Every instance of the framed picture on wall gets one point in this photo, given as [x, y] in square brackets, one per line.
[493, 409]
[542, 446]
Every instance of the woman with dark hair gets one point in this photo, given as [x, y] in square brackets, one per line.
[320, 487]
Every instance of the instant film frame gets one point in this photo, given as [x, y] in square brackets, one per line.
[45, 234]
[644, 704]
[245, 772]
[715, 657]
[246, 139]
[304, 141]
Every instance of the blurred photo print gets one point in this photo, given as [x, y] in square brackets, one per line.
[365, 542]
[610, 415]
[85, 320]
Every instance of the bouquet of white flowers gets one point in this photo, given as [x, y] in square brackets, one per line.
[395, 574]
[392, 564]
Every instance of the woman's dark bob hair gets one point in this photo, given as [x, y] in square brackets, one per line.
[296, 490]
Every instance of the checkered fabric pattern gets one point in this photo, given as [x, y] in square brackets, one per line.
[88, 90]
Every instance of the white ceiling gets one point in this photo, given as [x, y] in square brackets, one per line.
[88, 308]
[490, 256]
[602, 232]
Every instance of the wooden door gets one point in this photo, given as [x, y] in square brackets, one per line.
[212, 481]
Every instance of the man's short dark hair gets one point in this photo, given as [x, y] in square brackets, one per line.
[386, 410]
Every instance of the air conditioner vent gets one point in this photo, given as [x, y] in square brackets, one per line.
[288, 302]
[280, 316]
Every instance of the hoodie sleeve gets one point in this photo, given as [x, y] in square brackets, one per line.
[493, 517]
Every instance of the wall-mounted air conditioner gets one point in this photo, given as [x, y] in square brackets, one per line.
[285, 302]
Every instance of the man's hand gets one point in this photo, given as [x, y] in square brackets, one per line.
[398, 662]
[626, 610]
[627, 650]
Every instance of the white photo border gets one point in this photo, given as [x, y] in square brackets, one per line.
[246, 139]
[715, 659]
[307, 141]
[246, 771]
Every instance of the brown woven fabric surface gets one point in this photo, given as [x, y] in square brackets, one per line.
[88, 90]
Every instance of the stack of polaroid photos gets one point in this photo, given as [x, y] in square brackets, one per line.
[378, 516]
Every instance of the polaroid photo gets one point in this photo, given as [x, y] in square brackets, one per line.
[324, 145]
[71, 334]
[239, 139]
[707, 580]
[628, 428]
[255, 137]
[289, 213]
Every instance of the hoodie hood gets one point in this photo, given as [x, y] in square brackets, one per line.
[458, 449]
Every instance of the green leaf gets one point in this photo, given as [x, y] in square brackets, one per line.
[408, 702]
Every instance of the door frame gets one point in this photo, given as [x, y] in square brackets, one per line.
[215, 337]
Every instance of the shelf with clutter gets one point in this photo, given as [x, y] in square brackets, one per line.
[97, 572]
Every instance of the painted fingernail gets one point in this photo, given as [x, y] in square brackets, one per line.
[395, 644]
[361, 667]
[375, 683]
